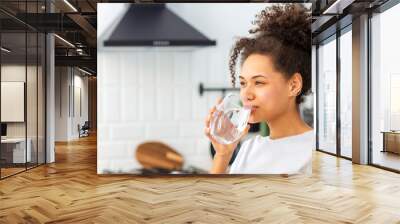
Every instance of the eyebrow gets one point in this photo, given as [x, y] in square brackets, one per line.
[254, 77]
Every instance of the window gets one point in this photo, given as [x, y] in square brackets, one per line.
[22, 88]
[385, 89]
[326, 60]
[346, 92]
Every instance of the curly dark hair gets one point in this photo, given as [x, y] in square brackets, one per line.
[282, 32]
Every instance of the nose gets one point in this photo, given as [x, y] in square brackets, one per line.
[247, 94]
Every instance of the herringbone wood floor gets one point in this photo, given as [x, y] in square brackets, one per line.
[70, 191]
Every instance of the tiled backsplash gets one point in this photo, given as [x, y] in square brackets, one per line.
[153, 95]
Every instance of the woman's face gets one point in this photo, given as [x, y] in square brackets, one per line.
[265, 89]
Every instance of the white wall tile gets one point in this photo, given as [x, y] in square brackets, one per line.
[203, 146]
[164, 64]
[192, 129]
[111, 73]
[162, 130]
[212, 71]
[127, 132]
[111, 104]
[129, 69]
[130, 101]
[103, 133]
[165, 103]
[183, 105]
[199, 105]
[146, 68]
[199, 66]
[182, 67]
[112, 150]
[147, 105]
[186, 147]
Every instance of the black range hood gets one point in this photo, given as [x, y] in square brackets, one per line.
[155, 25]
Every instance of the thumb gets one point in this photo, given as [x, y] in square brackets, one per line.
[247, 129]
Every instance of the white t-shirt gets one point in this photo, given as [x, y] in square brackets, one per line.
[288, 155]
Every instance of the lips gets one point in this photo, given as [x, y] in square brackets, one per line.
[253, 108]
[247, 106]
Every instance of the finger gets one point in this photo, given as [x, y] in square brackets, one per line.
[212, 110]
[247, 128]
[208, 134]
[213, 113]
[207, 120]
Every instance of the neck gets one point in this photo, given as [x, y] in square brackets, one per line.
[288, 124]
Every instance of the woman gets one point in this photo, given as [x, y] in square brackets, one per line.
[275, 76]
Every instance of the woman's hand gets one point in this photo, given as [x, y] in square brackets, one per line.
[223, 152]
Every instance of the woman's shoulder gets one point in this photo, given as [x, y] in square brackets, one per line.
[258, 139]
[253, 139]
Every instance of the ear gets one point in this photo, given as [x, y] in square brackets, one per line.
[295, 84]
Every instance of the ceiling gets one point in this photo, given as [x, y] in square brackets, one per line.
[76, 22]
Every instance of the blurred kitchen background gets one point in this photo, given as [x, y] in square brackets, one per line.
[152, 93]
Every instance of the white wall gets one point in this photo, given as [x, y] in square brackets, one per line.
[152, 93]
[61, 103]
[80, 82]
[66, 121]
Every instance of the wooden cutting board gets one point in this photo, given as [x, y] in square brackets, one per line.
[158, 155]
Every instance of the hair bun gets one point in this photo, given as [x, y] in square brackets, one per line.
[290, 23]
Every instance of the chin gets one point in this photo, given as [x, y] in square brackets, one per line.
[253, 120]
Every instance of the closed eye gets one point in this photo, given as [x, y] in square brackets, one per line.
[257, 83]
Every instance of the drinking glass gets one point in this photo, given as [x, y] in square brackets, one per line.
[229, 120]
